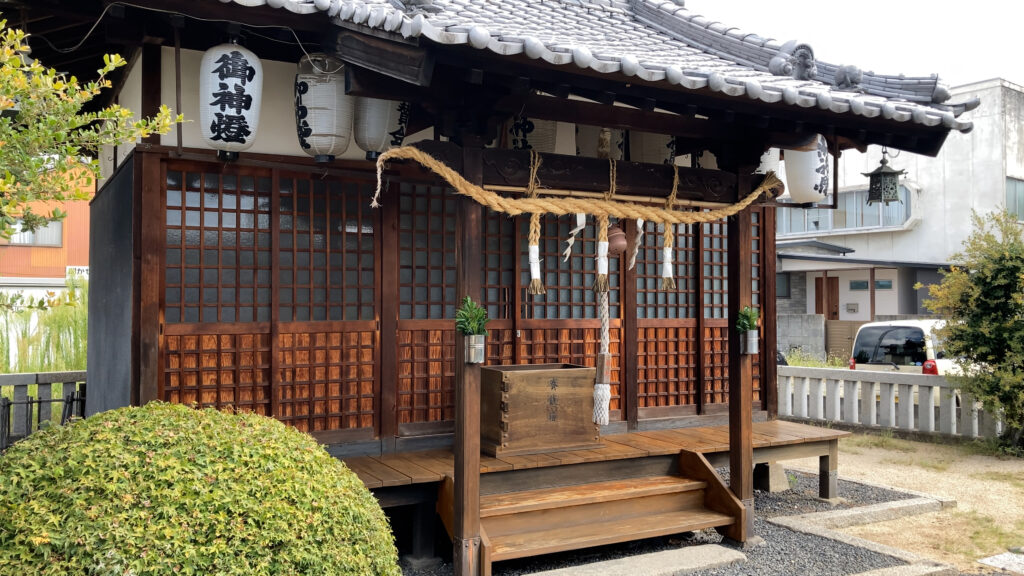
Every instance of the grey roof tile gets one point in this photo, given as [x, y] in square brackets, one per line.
[656, 40]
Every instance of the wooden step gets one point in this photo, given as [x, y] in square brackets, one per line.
[598, 492]
[613, 531]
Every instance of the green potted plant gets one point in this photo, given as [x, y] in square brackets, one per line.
[471, 320]
[746, 325]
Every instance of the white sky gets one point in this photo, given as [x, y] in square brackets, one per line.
[963, 41]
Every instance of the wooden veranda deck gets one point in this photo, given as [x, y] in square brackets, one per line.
[773, 440]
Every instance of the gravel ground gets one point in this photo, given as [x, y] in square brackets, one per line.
[784, 552]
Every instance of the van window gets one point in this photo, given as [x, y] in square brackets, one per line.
[900, 345]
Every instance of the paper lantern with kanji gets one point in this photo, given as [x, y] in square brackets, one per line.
[230, 95]
[380, 124]
[807, 176]
[323, 113]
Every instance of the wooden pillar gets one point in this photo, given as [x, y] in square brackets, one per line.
[151, 73]
[149, 238]
[628, 391]
[769, 314]
[741, 432]
[466, 553]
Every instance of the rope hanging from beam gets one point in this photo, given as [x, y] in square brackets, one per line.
[533, 241]
[562, 206]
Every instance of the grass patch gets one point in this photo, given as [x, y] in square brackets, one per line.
[883, 441]
[1014, 480]
[939, 465]
[982, 535]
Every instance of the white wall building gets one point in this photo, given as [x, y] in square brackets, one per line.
[904, 243]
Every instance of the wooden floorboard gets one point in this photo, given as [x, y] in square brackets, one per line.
[432, 465]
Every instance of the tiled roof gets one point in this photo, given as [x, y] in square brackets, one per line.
[655, 40]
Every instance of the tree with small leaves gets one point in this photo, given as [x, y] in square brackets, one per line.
[48, 144]
[982, 297]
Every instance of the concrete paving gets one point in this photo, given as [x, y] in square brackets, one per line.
[1011, 562]
[665, 563]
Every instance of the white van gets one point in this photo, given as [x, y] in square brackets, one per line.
[901, 345]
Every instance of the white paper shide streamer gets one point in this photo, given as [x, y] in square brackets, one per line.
[581, 223]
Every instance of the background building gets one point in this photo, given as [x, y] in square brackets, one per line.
[859, 262]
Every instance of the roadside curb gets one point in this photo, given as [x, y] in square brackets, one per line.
[824, 524]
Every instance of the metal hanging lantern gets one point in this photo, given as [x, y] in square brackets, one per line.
[323, 113]
[230, 95]
[884, 182]
[380, 124]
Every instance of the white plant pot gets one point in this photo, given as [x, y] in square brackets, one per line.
[476, 350]
[748, 342]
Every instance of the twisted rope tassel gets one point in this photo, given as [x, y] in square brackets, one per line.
[533, 240]
[601, 284]
[668, 282]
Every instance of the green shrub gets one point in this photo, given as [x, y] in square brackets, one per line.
[166, 489]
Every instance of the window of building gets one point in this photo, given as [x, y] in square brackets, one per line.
[852, 213]
[858, 284]
[782, 288]
[1015, 197]
[50, 235]
[883, 284]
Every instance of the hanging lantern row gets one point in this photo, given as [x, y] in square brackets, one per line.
[231, 94]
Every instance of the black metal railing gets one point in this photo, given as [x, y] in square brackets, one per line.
[27, 402]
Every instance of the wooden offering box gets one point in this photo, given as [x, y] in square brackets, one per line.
[534, 408]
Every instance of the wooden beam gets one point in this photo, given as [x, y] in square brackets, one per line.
[466, 540]
[512, 168]
[741, 431]
[407, 63]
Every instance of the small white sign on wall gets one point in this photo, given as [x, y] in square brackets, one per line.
[852, 307]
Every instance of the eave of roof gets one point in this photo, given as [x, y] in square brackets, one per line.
[653, 40]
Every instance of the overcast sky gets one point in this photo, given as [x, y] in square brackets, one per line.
[962, 41]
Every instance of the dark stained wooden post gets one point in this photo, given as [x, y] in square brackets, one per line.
[741, 431]
[150, 206]
[466, 553]
[769, 315]
[629, 392]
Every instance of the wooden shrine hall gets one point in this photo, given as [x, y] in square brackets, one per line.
[597, 174]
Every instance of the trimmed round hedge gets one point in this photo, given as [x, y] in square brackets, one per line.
[167, 489]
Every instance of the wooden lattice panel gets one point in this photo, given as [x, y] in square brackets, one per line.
[326, 254]
[426, 252]
[569, 284]
[426, 375]
[499, 265]
[667, 366]
[652, 301]
[501, 345]
[218, 370]
[572, 345]
[716, 362]
[715, 273]
[326, 380]
[218, 252]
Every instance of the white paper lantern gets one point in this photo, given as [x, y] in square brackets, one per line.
[323, 113]
[531, 134]
[230, 96]
[380, 124]
[769, 162]
[807, 173]
[651, 148]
